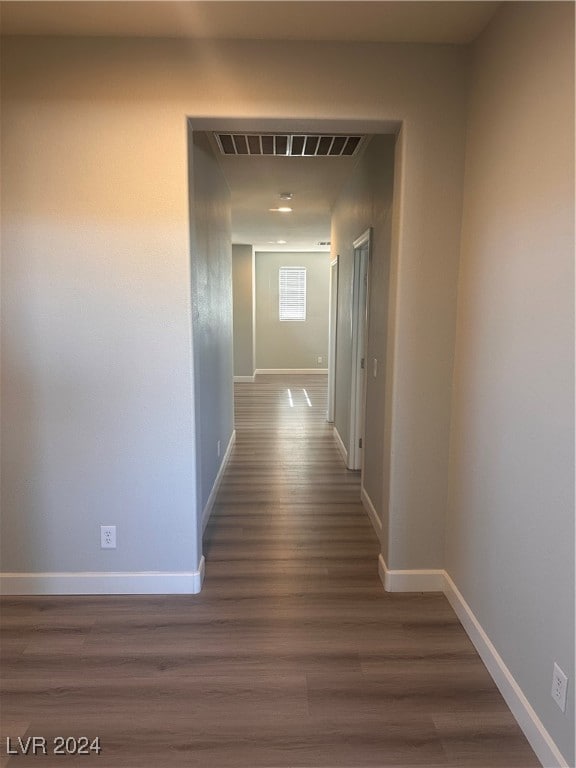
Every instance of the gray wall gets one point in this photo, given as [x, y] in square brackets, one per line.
[97, 364]
[107, 174]
[510, 527]
[211, 281]
[96, 346]
[366, 201]
[420, 348]
[413, 308]
[292, 344]
[243, 309]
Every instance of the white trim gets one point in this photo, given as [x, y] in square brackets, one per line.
[359, 349]
[332, 332]
[424, 580]
[104, 583]
[340, 445]
[290, 370]
[238, 379]
[372, 514]
[216, 487]
[533, 728]
[430, 580]
[363, 239]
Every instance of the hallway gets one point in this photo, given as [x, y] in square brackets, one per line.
[336, 671]
[292, 655]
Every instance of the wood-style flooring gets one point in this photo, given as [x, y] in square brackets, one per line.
[292, 655]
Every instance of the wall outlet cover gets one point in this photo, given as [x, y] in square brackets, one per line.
[108, 537]
[559, 687]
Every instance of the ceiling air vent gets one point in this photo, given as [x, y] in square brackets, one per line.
[287, 145]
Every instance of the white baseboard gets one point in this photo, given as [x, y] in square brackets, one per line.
[438, 580]
[426, 580]
[372, 514]
[238, 379]
[340, 445]
[533, 728]
[215, 488]
[291, 370]
[104, 583]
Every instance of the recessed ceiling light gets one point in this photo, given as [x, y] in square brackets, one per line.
[281, 242]
[286, 195]
[282, 209]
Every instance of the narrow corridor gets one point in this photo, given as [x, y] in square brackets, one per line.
[336, 671]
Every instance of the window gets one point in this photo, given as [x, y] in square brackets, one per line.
[292, 293]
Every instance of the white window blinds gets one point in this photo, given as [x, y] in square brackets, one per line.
[292, 293]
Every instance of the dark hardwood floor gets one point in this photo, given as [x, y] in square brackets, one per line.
[292, 655]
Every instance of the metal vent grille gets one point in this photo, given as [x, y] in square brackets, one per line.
[288, 145]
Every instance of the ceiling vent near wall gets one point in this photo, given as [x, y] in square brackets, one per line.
[288, 145]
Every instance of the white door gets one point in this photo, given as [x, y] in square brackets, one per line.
[332, 325]
[359, 339]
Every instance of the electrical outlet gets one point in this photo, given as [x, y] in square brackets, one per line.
[319, 359]
[559, 686]
[108, 537]
[218, 448]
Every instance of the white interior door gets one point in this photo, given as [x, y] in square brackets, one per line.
[332, 326]
[359, 338]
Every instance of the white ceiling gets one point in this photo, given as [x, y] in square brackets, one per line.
[344, 20]
[256, 182]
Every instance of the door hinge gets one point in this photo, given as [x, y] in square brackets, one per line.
[363, 363]
[360, 443]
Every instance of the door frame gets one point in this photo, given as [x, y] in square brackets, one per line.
[360, 304]
[332, 335]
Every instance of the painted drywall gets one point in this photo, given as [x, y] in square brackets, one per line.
[211, 286]
[243, 309]
[510, 526]
[98, 198]
[96, 345]
[366, 201]
[297, 344]
[409, 402]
